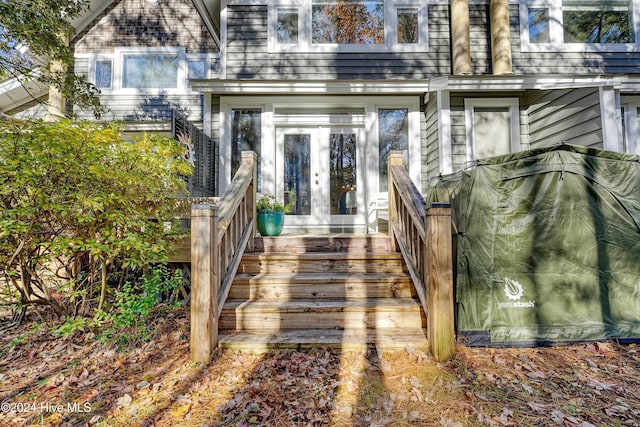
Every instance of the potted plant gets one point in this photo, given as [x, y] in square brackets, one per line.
[270, 215]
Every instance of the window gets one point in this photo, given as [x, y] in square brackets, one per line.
[144, 71]
[197, 69]
[576, 25]
[408, 25]
[393, 135]
[246, 135]
[287, 26]
[149, 69]
[348, 25]
[103, 74]
[342, 22]
[492, 127]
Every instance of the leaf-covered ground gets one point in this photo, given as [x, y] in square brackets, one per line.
[45, 380]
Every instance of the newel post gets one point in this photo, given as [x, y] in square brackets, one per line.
[438, 279]
[205, 281]
[250, 158]
[395, 159]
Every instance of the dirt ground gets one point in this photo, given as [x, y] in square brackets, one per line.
[86, 380]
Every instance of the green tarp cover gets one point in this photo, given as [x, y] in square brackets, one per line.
[548, 246]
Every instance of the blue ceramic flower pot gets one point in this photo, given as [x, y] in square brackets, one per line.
[270, 223]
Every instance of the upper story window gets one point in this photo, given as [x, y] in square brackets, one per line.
[579, 25]
[103, 73]
[149, 69]
[348, 25]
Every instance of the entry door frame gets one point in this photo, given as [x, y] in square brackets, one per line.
[320, 217]
[268, 104]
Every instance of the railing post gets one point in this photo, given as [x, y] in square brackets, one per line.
[250, 158]
[395, 159]
[439, 281]
[205, 279]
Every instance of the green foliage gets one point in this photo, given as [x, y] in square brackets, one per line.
[269, 203]
[135, 302]
[35, 33]
[70, 327]
[72, 193]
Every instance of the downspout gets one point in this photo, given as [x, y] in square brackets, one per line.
[460, 44]
[500, 37]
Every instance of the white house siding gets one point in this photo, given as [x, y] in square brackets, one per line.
[247, 55]
[571, 116]
[135, 23]
[430, 146]
[143, 24]
[148, 108]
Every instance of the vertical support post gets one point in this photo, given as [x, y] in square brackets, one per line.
[205, 279]
[250, 158]
[57, 102]
[460, 43]
[438, 279]
[500, 37]
[395, 159]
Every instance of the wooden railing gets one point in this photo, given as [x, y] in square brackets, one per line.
[423, 236]
[219, 235]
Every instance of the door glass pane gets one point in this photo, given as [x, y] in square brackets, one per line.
[342, 173]
[492, 131]
[297, 173]
[394, 136]
[245, 136]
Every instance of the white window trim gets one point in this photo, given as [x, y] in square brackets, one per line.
[390, 29]
[470, 105]
[556, 43]
[116, 59]
[631, 105]
[268, 105]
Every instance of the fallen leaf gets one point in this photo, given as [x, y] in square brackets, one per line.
[123, 401]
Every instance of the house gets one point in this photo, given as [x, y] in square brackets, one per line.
[323, 90]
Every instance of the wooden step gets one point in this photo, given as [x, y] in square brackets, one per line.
[321, 262]
[371, 313]
[324, 243]
[339, 339]
[292, 286]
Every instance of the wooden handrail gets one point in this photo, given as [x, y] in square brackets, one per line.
[219, 236]
[423, 235]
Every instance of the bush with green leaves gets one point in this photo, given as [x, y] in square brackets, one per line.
[136, 301]
[78, 200]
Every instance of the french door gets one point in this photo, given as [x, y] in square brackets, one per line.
[319, 173]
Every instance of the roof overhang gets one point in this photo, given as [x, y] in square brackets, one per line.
[18, 92]
[491, 83]
[311, 87]
[487, 83]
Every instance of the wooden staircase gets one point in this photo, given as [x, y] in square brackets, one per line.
[340, 291]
